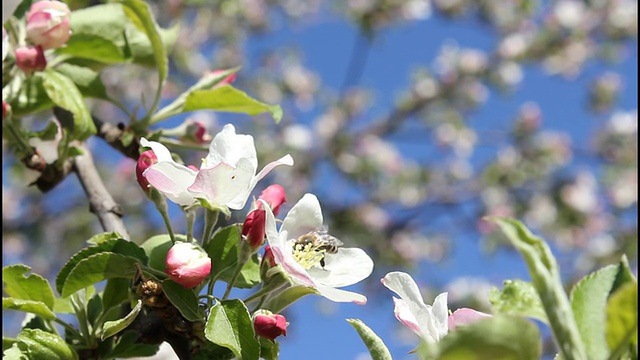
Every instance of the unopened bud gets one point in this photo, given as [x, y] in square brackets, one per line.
[30, 59]
[253, 229]
[269, 325]
[48, 24]
[145, 160]
[187, 264]
[275, 196]
[227, 80]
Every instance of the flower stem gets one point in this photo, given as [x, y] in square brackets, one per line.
[210, 220]
[191, 218]
[161, 204]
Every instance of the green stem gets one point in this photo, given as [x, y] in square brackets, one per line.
[233, 280]
[161, 204]
[191, 218]
[263, 292]
[81, 314]
[210, 220]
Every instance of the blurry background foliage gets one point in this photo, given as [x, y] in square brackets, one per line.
[515, 108]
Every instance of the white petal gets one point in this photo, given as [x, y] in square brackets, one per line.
[241, 199]
[304, 216]
[405, 316]
[222, 183]
[347, 267]
[172, 180]
[339, 295]
[161, 151]
[282, 251]
[440, 313]
[229, 147]
[298, 274]
[403, 284]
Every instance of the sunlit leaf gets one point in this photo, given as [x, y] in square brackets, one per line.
[498, 338]
[517, 297]
[30, 306]
[111, 328]
[376, 346]
[33, 287]
[64, 93]
[229, 99]
[96, 268]
[229, 325]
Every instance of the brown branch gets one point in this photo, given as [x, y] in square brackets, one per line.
[101, 202]
[113, 135]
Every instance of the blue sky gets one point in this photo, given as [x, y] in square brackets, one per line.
[318, 329]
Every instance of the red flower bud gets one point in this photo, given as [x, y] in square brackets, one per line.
[226, 81]
[48, 24]
[196, 133]
[253, 229]
[30, 59]
[268, 257]
[275, 196]
[145, 160]
[5, 109]
[187, 264]
[269, 326]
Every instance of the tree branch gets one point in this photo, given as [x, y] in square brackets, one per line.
[101, 202]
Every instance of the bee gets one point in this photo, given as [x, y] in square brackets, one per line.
[320, 241]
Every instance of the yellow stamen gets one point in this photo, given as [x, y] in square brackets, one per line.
[307, 255]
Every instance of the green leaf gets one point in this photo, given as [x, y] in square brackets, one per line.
[588, 298]
[31, 98]
[119, 246]
[13, 352]
[64, 93]
[622, 319]
[95, 47]
[229, 325]
[128, 346]
[185, 300]
[30, 306]
[157, 247]
[63, 306]
[518, 297]
[33, 287]
[116, 291]
[139, 13]
[141, 49]
[376, 346]
[43, 345]
[111, 328]
[499, 337]
[229, 99]
[88, 81]
[288, 297]
[96, 268]
[207, 82]
[269, 350]
[545, 276]
[223, 250]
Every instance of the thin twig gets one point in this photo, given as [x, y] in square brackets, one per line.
[101, 202]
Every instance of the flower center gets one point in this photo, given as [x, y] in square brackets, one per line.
[308, 255]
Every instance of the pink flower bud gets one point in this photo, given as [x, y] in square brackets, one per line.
[5, 109]
[275, 196]
[30, 59]
[196, 132]
[145, 160]
[464, 316]
[269, 326]
[187, 264]
[268, 257]
[226, 81]
[48, 24]
[253, 229]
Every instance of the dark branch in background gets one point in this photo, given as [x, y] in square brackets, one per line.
[357, 61]
[101, 202]
[113, 135]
